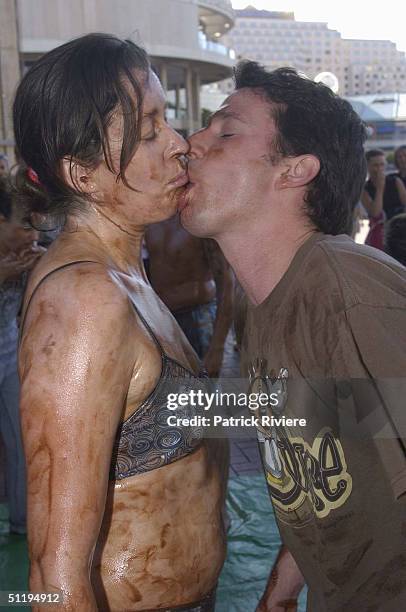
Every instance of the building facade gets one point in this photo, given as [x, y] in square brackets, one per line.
[181, 37]
[276, 39]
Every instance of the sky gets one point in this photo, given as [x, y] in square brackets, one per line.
[352, 18]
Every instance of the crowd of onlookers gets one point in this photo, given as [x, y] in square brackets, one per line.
[383, 201]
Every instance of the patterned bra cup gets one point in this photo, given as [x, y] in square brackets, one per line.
[146, 441]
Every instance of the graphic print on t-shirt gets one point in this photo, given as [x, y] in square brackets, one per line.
[304, 479]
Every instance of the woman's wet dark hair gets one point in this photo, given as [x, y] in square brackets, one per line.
[62, 110]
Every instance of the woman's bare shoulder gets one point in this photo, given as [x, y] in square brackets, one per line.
[74, 291]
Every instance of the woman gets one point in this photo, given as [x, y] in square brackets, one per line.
[124, 511]
[18, 254]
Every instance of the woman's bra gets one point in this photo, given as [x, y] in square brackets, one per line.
[151, 438]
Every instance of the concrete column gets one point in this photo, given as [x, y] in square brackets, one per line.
[163, 73]
[9, 73]
[189, 100]
[177, 101]
[196, 95]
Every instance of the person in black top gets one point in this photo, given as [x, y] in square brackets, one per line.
[400, 163]
[383, 196]
[380, 191]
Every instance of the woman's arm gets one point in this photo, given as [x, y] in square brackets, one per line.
[75, 368]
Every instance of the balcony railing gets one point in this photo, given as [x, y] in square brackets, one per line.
[215, 47]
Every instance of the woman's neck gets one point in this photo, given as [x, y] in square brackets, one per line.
[120, 244]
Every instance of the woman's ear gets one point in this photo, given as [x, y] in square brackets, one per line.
[78, 177]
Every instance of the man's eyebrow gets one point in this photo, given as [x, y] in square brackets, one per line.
[224, 113]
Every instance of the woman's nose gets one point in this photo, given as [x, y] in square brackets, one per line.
[196, 144]
[178, 146]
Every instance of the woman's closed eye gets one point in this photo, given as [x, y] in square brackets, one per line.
[226, 135]
[150, 136]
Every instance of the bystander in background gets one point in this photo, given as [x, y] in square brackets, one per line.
[193, 279]
[383, 197]
[18, 254]
[400, 163]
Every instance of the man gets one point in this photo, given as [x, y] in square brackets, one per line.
[195, 282]
[273, 179]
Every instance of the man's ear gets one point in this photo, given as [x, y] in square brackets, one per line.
[298, 171]
[78, 177]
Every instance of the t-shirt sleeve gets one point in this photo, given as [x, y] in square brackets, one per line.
[379, 335]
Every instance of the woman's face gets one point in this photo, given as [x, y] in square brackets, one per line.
[156, 172]
[16, 235]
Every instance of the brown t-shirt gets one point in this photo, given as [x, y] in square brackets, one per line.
[330, 339]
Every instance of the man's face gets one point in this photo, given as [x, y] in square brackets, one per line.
[376, 166]
[230, 169]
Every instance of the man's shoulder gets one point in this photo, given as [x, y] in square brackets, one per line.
[363, 274]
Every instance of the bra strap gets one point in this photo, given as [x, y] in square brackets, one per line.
[149, 330]
[121, 279]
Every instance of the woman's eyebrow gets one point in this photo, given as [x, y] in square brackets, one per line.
[151, 114]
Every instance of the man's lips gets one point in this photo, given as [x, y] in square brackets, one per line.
[181, 179]
[183, 199]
